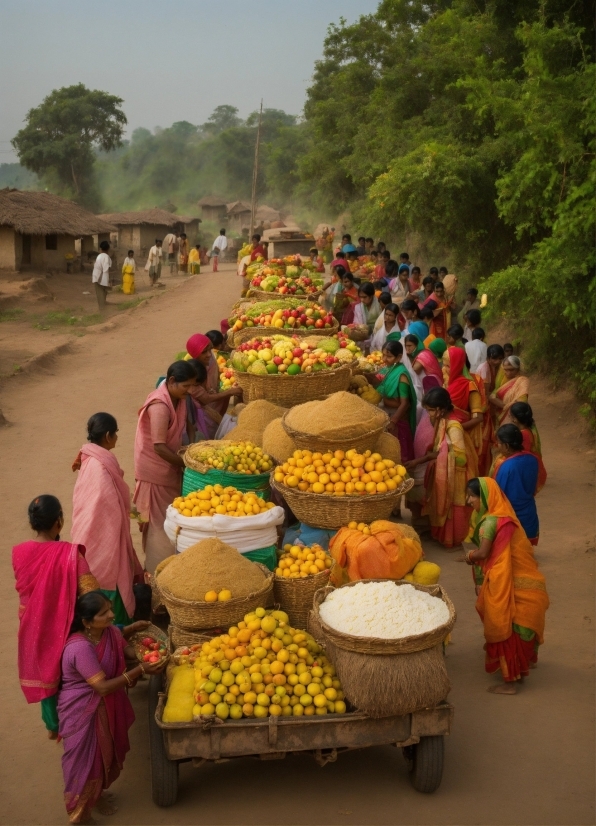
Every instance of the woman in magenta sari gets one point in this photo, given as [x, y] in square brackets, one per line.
[424, 362]
[49, 576]
[158, 467]
[101, 517]
[93, 708]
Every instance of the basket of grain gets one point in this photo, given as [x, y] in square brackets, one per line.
[207, 568]
[342, 420]
[253, 420]
[288, 391]
[322, 510]
[279, 444]
[236, 337]
[390, 662]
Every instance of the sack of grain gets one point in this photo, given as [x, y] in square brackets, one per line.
[342, 417]
[388, 446]
[246, 533]
[381, 675]
[212, 565]
[276, 441]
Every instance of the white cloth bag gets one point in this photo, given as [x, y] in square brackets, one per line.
[246, 533]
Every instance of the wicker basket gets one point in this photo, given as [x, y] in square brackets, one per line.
[261, 295]
[310, 441]
[321, 510]
[245, 482]
[246, 333]
[152, 631]
[376, 645]
[295, 596]
[388, 677]
[180, 637]
[287, 391]
[196, 615]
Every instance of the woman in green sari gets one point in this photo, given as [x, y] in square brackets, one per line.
[394, 384]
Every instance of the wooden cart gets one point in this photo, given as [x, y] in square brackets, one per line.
[420, 736]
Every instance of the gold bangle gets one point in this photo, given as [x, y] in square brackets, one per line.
[127, 678]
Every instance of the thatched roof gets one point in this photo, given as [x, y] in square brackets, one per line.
[238, 207]
[266, 213]
[212, 201]
[155, 217]
[188, 219]
[41, 213]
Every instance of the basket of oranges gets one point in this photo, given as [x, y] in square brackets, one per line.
[300, 572]
[362, 487]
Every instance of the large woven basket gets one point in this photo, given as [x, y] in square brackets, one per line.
[310, 441]
[323, 510]
[261, 295]
[376, 645]
[295, 596]
[288, 391]
[388, 677]
[245, 482]
[246, 333]
[180, 637]
[196, 615]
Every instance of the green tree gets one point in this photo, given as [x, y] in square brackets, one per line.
[222, 118]
[63, 134]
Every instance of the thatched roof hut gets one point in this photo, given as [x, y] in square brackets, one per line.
[41, 213]
[139, 229]
[213, 208]
[142, 217]
[38, 229]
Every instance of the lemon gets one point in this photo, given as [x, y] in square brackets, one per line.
[208, 708]
[211, 596]
[260, 711]
[235, 711]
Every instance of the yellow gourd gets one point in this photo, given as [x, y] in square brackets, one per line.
[180, 700]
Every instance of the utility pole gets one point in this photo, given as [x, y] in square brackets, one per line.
[255, 176]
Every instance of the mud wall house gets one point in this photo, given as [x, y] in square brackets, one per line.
[191, 226]
[213, 209]
[138, 230]
[39, 230]
[238, 216]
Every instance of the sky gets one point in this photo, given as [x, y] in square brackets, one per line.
[170, 60]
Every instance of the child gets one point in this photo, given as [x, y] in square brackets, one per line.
[214, 257]
[194, 260]
[128, 273]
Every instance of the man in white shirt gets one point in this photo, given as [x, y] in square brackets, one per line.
[221, 242]
[101, 274]
[476, 349]
[153, 265]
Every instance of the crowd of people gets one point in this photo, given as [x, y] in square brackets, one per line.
[460, 410]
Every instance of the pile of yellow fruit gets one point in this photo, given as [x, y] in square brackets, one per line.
[217, 499]
[261, 667]
[240, 457]
[341, 474]
[299, 562]
[223, 596]
[424, 573]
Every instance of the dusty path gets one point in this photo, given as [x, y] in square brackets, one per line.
[527, 759]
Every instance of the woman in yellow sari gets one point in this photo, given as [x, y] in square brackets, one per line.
[514, 389]
[452, 462]
[512, 598]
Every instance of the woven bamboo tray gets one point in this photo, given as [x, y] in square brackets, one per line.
[323, 510]
[288, 391]
[246, 333]
[295, 596]
[196, 615]
[261, 295]
[376, 645]
[310, 441]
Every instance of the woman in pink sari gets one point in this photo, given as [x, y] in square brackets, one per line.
[49, 576]
[101, 517]
[513, 389]
[94, 711]
[158, 467]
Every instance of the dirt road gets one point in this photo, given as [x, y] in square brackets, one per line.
[527, 759]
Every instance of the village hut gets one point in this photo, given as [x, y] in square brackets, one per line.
[191, 227]
[38, 230]
[238, 216]
[139, 230]
[213, 209]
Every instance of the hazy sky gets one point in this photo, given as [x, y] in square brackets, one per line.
[169, 60]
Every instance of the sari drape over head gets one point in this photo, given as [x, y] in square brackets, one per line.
[510, 392]
[94, 728]
[101, 522]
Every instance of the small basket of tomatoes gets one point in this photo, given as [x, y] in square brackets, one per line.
[150, 645]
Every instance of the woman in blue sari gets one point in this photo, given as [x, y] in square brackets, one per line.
[520, 475]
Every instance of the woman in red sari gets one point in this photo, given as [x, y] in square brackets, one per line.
[49, 576]
[466, 396]
[514, 389]
[452, 462]
[512, 598]
[94, 710]
[522, 416]
[441, 308]
[158, 467]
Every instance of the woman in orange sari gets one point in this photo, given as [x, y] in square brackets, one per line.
[513, 389]
[468, 399]
[512, 598]
[452, 462]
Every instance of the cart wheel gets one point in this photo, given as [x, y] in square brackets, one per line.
[425, 763]
[164, 772]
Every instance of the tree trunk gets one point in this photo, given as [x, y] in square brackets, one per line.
[74, 178]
